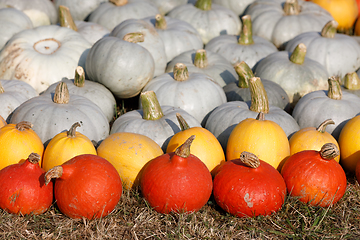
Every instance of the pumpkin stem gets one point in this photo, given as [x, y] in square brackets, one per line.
[203, 4]
[134, 37]
[160, 22]
[183, 124]
[334, 91]
[23, 125]
[260, 116]
[2, 90]
[245, 73]
[201, 60]
[54, 172]
[250, 159]
[330, 29]
[79, 79]
[298, 55]
[322, 127]
[34, 158]
[184, 150]
[352, 81]
[329, 151]
[61, 95]
[72, 131]
[259, 98]
[246, 36]
[66, 19]
[291, 7]
[119, 2]
[181, 72]
[151, 106]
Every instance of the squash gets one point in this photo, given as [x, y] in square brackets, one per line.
[351, 83]
[128, 153]
[80, 10]
[166, 6]
[238, 7]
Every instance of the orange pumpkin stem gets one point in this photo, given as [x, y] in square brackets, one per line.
[160, 22]
[244, 72]
[55, 172]
[291, 7]
[246, 36]
[184, 150]
[23, 125]
[322, 127]
[151, 106]
[34, 158]
[183, 124]
[61, 95]
[79, 79]
[181, 72]
[329, 151]
[298, 55]
[250, 159]
[334, 90]
[259, 98]
[352, 81]
[66, 19]
[134, 37]
[330, 29]
[203, 4]
[72, 131]
[201, 60]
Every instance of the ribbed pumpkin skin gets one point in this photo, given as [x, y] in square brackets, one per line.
[23, 189]
[246, 192]
[89, 187]
[314, 180]
[171, 183]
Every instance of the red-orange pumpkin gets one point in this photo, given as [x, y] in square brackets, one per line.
[23, 190]
[86, 186]
[248, 186]
[176, 181]
[315, 177]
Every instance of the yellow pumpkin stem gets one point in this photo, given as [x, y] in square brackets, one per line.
[151, 106]
[250, 159]
[79, 79]
[259, 98]
[291, 7]
[203, 4]
[61, 95]
[334, 90]
[245, 73]
[183, 124]
[23, 125]
[54, 172]
[119, 2]
[72, 131]
[160, 22]
[34, 158]
[66, 19]
[134, 37]
[352, 81]
[329, 151]
[181, 72]
[184, 150]
[322, 127]
[330, 29]
[2, 90]
[298, 55]
[201, 60]
[246, 36]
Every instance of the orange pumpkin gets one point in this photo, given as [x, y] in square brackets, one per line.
[264, 138]
[205, 146]
[2, 122]
[312, 138]
[66, 145]
[17, 141]
[357, 26]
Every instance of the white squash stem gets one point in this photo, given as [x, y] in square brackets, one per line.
[245, 73]
[298, 55]
[291, 7]
[181, 72]
[160, 22]
[259, 98]
[352, 81]
[246, 37]
[330, 29]
[201, 60]
[61, 95]
[151, 106]
[334, 91]
[66, 19]
[79, 79]
[203, 4]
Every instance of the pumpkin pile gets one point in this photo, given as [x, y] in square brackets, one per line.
[246, 102]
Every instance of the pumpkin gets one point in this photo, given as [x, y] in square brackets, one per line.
[2, 122]
[42, 56]
[154, 121]
[249, 187]
[357, 26]
[122, 66]
[79, 9]
[207, 62]
[183, 89]
[279, 21]
[110, 14]
[205, 146]
[210, 20]
[244, 47]
[314, 177]
[177, 181]
[311, 138]
[344, 12]
[238, 7]
[17, 142]
[23, 189]
[52, 113]
[317, 106]
[166, 6]
[322, 46]
[86, 186]
[12, 94]
[128, 153]
[66, 145]
[294, 72]
[264, 138]
[349, 143]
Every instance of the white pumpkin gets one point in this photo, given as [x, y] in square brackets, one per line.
[166, 6]
[91, 31]
[80, 9]
[238, 6]
[43, 55]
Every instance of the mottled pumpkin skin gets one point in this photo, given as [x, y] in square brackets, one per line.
[314, 180]
[246, 192]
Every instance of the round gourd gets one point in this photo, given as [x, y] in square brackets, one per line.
[238, 7]
[79, 9]
[165, 6]
[128, 153]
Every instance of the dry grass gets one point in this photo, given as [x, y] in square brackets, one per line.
[134, 219]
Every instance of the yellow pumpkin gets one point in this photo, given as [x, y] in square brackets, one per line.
[2, 122]
[66, 145]
[205, 145]
[17, 141]
[128, 153]
[345, 12]
[265, 138]
[349, 142]
[311, 138]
